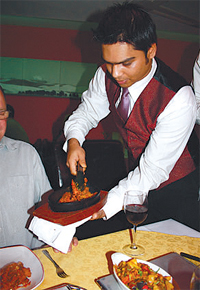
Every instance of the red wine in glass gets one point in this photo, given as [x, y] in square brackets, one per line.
[136, 211]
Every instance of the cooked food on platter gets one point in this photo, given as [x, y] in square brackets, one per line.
[76, 194]
[14, 275]
[73, 198]
[138, 275]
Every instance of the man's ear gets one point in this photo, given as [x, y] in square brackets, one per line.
[152, 51]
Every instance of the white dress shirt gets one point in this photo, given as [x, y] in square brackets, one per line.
[22, 182]
[167, 141]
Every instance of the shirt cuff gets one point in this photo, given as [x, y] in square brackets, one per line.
[70, 136]
[113, 205]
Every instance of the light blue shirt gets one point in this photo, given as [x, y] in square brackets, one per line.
[22, 182]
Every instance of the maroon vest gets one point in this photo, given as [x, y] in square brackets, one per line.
[137, 130]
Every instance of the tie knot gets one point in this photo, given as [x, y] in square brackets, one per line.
[125, 92]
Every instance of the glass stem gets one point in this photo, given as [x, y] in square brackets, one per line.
[133, 245]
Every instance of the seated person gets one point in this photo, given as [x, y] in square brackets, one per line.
[23, 181]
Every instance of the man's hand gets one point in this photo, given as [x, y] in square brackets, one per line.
[98, 215]
[75, 155]
[74, 243]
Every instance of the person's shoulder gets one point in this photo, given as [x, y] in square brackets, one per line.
[18, 144]
[168, 77]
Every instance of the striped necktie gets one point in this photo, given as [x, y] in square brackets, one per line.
[123, 106]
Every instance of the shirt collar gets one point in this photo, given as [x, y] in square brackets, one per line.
[7, 143]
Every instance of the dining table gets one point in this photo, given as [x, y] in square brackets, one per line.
[91, 258]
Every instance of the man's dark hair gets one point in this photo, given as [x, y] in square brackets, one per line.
[127, 22]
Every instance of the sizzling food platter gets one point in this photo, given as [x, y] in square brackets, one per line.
[72, 198]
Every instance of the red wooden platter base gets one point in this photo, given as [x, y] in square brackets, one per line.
[67, 218]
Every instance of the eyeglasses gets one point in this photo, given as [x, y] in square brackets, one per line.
[4, 114]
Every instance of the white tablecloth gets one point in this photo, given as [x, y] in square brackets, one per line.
[171, 227]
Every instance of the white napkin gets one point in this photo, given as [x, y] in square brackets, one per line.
[55, 235]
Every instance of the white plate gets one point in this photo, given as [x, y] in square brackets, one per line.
[118, 257]
[29, 260]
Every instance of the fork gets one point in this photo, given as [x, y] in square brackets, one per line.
[60, 272]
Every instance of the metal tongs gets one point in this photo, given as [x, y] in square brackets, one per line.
[79, 179]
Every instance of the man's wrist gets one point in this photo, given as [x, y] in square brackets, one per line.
[72, 142]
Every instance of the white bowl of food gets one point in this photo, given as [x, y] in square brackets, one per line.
[24, 263]
[130, 272]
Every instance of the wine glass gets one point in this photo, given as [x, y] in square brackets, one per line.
[136, 211]
[195, 281]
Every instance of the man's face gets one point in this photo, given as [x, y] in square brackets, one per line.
[3, 123]
[126, 64]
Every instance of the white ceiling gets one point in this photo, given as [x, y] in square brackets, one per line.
[180, 16]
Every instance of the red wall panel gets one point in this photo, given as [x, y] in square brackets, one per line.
[48, 43]
[179, 55]
[42, 117]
